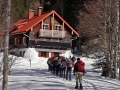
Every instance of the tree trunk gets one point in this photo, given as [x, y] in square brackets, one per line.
[119, 42]
[6, 46]
[116, 43]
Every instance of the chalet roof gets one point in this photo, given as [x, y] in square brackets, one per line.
[25, 24]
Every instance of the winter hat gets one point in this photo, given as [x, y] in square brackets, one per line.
[78, 59]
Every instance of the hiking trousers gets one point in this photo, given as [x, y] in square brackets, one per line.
[68, 73]
[78, 76]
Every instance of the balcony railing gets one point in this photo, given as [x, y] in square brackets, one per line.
[52, 33]
[49, 44]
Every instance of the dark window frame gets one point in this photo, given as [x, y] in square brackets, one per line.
[46, 26]
[58, 27]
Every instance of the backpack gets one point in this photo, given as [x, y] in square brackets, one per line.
[49, 61]
[81, 67]
[69, 64]
[63, 63]
[73, 59]
[58, 61]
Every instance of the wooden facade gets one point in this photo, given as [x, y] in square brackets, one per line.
[44, 30]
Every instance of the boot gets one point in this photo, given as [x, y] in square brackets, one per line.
[81, 87]
[76, 87]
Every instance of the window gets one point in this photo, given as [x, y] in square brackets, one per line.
[43, 54]
[56, 54]
[58, 27]
[23, 53]
[15, 41]
[45, 26]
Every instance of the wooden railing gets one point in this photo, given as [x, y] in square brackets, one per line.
[52, 33]
[49, 44]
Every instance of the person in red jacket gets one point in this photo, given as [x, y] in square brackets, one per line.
[78, 71]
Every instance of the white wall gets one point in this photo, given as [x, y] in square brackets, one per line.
[65, 53]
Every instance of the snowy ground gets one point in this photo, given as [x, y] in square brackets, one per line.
[37, 77]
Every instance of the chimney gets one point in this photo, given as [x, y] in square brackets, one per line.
[39, 11]
[30, 13]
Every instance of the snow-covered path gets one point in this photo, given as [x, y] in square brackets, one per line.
[36, 77]
[99, 83]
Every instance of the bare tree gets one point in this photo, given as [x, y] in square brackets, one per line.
[119, 41]
[116, 39]
[100, 19]
[6, 46]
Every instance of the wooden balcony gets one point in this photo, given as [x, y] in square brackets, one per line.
[49, 44]
[52, 33]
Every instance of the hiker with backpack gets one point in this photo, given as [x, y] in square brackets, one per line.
[49, 64]
[54, 60]
[79, 71]
[58, 63]
[70, 65]
[73, 58]
[63, 67]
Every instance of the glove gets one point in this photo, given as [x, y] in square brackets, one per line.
[73, 74]
[84, 72]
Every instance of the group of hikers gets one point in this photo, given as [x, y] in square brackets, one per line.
[64, 67]
[61, 66]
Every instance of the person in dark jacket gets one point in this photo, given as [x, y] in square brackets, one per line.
[78, 71]
[54, 65]
[69, 66]
[49, 64]
[63, 68]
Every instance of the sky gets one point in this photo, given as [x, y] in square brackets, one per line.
[35, 76]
